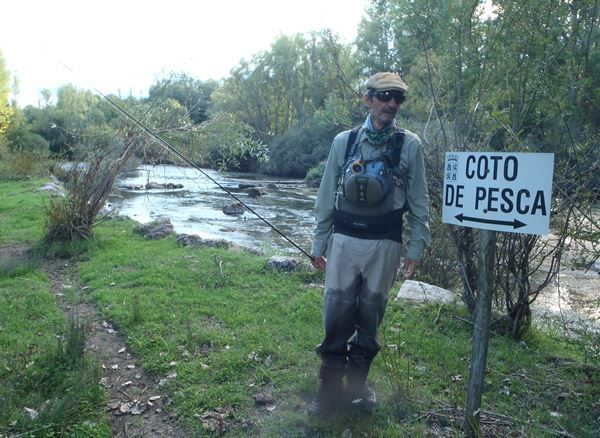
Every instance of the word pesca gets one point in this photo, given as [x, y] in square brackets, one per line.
[497, 168]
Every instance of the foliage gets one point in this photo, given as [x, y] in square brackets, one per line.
[192, 94]
[22, 165]
[20, 138]
[487, 88]
[316, 173]
[89, 184]
[300, 148]
[226, 143]
[6, 109]
[283, 87]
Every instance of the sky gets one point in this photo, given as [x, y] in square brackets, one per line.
[124, 46]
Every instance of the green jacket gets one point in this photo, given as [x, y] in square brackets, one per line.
[414, 193]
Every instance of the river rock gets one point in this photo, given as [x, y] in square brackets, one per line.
[282, 263]
[235, 209]
[154, 185]
[271, 185]
[157, 229]
[195, 241]
[424, 292]
[246, 186]
[255, 192]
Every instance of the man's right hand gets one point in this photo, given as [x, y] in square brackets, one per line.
[320, 263]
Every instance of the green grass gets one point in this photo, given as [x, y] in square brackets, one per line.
[230, 328]
[21, 209]
[42, 366]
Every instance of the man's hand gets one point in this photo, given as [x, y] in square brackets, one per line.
[320, 263]
[409, 267]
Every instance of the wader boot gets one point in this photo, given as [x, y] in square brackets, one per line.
[331, 392]
[359, 394]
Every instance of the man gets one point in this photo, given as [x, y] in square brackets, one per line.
[372, 177]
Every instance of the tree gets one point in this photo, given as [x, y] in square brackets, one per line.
[192, 94]
[285, 86]
[6, 109]
[502, 76]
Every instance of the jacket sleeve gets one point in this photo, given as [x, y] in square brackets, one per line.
[417, 197]
[325, 203]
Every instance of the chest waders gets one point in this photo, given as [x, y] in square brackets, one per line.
[365, 195]
[360, 272]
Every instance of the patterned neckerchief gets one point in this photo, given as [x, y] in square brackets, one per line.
[377, 137]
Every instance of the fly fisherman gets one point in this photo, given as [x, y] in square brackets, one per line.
[374, 174]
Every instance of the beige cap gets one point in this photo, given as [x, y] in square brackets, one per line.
[386, 81]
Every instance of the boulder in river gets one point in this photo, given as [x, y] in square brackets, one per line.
[246, 186]
[235, 209]
[255, 192]
[154, 185]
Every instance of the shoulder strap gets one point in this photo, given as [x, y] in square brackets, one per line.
[398, 142]
[351, 141]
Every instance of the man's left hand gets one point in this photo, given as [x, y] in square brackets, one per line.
[409, 268]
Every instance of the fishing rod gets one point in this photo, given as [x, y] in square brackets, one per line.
[189, 162]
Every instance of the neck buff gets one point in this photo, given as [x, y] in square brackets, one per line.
[376, 137]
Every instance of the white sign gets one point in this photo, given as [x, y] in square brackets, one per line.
[498, 191]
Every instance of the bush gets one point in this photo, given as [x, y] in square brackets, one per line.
[22, 165]
[300, 149]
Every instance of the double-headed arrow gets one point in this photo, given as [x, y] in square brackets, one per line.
[515, 223]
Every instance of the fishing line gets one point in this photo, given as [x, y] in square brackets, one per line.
[189, 162]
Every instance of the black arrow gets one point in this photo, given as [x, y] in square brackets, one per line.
[515, 223]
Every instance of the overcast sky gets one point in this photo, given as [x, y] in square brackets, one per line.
[126, 45]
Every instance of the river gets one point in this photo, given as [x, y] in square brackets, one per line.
[197, 208]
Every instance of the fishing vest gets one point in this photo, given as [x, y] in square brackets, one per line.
[365, 193]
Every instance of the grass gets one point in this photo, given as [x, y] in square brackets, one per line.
[230, 329]
[43, 371]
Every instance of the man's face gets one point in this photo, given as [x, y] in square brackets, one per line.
[382, 113]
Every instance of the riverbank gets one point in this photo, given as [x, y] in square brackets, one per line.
[229, 343]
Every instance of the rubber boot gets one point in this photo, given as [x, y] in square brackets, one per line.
[359, 394]
[331, 392]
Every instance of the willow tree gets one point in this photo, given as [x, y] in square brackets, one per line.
[281, 87]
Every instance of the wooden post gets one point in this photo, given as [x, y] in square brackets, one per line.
[481, 330]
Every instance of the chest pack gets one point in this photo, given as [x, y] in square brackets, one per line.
[365, 194]
[369, 182]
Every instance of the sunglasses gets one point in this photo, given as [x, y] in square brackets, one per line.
[386, 96]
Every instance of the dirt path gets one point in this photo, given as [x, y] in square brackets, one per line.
[136, 405]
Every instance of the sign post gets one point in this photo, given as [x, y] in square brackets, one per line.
[494, 192]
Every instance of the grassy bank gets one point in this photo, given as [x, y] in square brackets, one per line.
[48, 386]
[220, 331]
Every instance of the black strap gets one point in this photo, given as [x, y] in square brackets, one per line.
[396, 148]
[351, 141]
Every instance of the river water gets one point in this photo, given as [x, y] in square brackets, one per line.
[197, 208]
